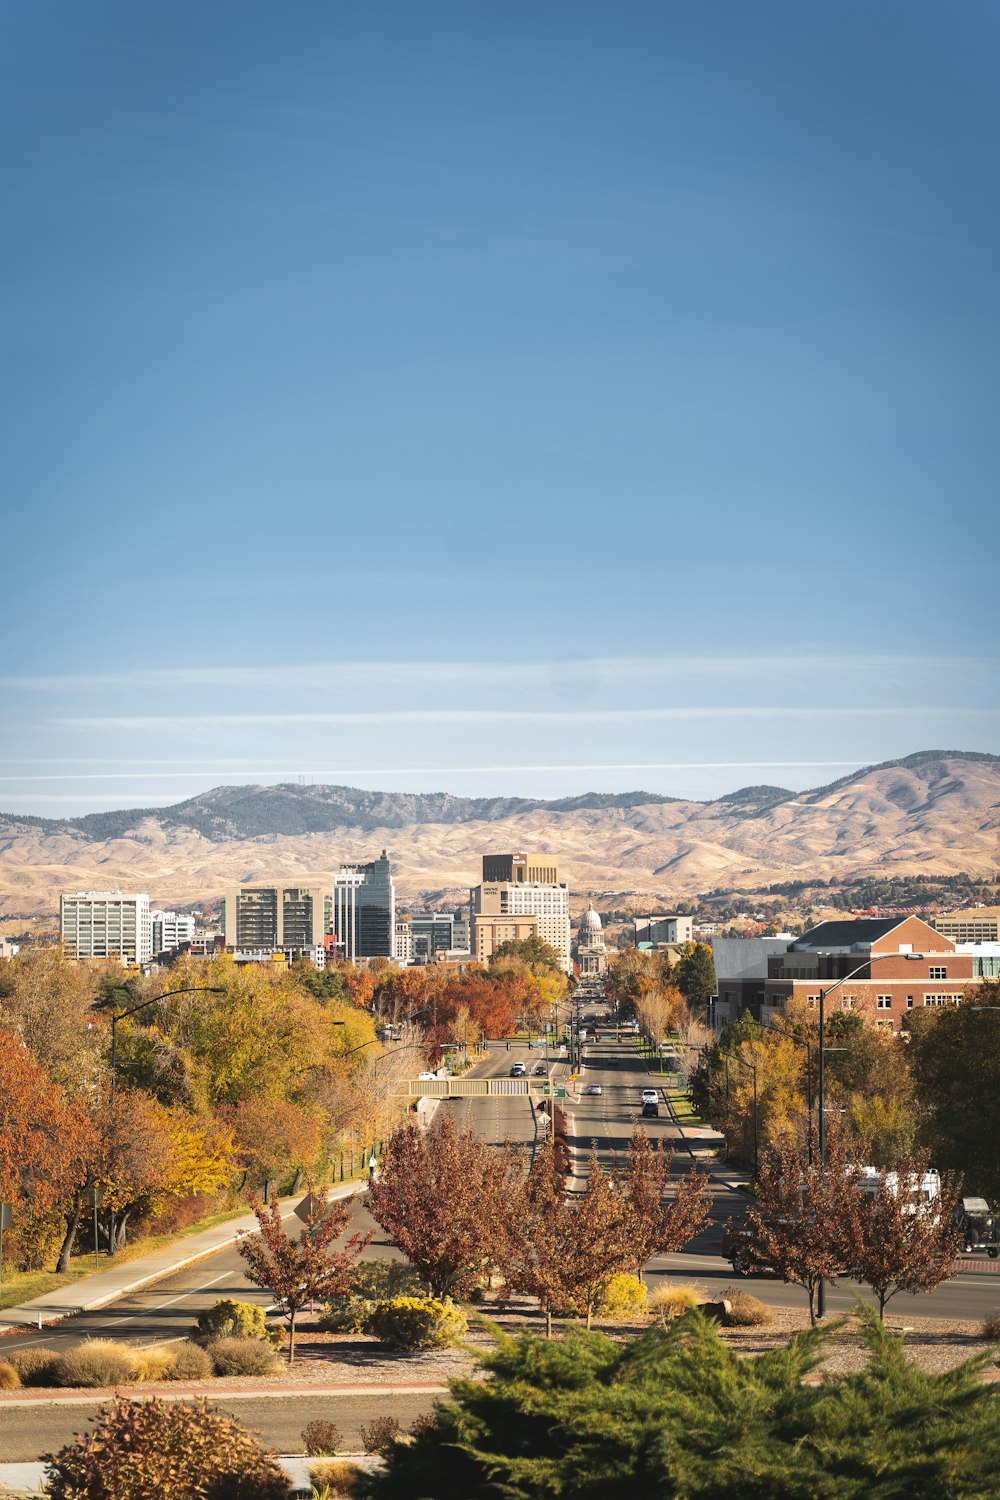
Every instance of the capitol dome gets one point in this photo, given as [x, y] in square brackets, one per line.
[590, 926]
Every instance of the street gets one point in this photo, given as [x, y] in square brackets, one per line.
[604, 1123]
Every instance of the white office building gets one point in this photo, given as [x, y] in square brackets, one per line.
[106, 924]
[170, 930]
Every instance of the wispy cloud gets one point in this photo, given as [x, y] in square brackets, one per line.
[637, 669]
[454, 716]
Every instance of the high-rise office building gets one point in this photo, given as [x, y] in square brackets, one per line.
[502, 909]
[521, 869]
[364, 910]
[170, 930]
[276, 917]
[106, 924]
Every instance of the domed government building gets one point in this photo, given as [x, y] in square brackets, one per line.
[591, 952]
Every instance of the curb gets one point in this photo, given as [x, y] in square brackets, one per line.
[173, 1391]
[37, 1308]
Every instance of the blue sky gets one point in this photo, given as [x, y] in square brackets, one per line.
[495, 397]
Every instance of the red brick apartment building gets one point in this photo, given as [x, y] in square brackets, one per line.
[904, 965]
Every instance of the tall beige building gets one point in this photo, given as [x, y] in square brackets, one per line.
[260, 917]
[514, 906]
[106, 924]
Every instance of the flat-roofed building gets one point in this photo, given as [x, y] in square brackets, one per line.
[492, 930]
[364, 910]
[663, 927]
[974, 924]
[106, 924]
[272, 918]
[170, 930]
[521, 869]
[544, 904]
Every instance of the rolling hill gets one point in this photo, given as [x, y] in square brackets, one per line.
[935, 812]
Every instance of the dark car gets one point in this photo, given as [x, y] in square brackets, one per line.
[650, 1109]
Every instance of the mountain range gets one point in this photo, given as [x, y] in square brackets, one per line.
[934, 812]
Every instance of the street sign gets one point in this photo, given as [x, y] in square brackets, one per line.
[305, 1208]
[546, 1091]
[560, 1092]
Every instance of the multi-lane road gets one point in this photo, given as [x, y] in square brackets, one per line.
[603, 1122]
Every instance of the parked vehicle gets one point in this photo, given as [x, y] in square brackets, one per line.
[980, 1228]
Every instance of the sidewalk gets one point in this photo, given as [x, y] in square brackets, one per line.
[107, 1286]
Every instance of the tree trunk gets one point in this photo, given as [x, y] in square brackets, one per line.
[883, 1298]
[812, 1306]
[72, 1225]
[122, 1230]
[296, 1181]
[548, 1322]
[590, 1311]
[291, 1336]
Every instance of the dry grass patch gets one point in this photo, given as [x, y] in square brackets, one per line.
[669, 1302]
[748, 1311]
[336, 1478]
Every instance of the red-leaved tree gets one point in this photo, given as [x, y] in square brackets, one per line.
[442, 1199]
[298, 1271]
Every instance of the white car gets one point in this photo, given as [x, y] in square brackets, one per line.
[593, 1088]
[650, 1096]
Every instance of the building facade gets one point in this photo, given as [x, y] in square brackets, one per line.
[663, 927]
[976, 924]
[497, 904]
[520, 869]
[591, 950]
[364, 910]
[276, 918]
[904, 965]
[106, 924]
[170, 930]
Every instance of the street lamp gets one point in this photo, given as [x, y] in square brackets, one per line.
[871, 959]
[116, 1016]
[752, 1065]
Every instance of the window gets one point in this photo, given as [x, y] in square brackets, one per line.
[888, 1025]
[937, 971]
[883, 1002]
[811, 999]
[909, 1002]
[847, 1003]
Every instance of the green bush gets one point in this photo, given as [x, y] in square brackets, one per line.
[35, 1366]
[175, 1451]
[417, 1323]
[189, 1362]
[98, 1363]
[228, 1319]
[678, 1413]
[624, 1297]
[347, 1314]
[10, 1380]
[242, 1357]
[372, 1281]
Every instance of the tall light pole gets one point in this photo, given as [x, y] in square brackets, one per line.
[116, 1016]
[823, 994]
[121, 1015]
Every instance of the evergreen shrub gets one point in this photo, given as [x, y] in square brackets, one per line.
[229, 1319]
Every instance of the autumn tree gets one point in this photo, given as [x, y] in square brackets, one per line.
[658, 1223]
[902, 1240]
[955, 1057]
[45, 1139]
[272, 1136]
[441, 1198]
[533, 951]
[298, 1271]
[801, 1223]
[45, 999]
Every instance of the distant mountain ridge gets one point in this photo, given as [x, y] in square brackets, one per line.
[934, 812]
[289, 808]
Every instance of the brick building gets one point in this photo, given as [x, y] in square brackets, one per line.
[904, 965]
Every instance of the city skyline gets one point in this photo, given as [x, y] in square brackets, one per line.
[488, 401]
